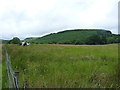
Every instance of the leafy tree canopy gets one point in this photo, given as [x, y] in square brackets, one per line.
[15, 40]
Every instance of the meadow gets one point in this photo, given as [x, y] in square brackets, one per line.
[64, 66]
[0, 66]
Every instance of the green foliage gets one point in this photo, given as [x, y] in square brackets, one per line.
[76, 37]
[0, 75]
[0, 66]
[110, 40]
[95, 40]
[65, 66]
[114, 39]
[15, 40]
[5, 41]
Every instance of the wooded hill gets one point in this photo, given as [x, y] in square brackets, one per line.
[77, 36]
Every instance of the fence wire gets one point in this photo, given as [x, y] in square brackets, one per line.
[13, 80]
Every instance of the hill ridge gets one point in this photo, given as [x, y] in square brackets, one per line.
[71, 36]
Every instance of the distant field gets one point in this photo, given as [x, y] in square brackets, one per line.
[66, 66]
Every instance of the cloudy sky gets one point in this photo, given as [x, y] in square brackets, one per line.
[26, 18]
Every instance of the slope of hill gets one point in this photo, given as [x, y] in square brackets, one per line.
[76, 36]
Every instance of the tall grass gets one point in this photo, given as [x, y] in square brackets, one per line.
[0, 75]
[62, 66]
[0, 65]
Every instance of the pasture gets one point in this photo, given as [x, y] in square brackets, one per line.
[0, 66]
[64, 66]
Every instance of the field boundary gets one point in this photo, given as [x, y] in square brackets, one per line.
[12, 75]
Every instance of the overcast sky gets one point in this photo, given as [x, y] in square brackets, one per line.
[27, 18]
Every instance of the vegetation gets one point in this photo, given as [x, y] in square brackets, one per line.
[0, 66]
[0, 75]
[15, 40]
[77, 37]
[77, 65]
[95, 39]
[64, 66]
[4, 41]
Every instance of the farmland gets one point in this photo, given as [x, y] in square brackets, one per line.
[0, 66]
[64, 66]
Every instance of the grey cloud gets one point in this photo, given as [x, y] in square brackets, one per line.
[65, 14]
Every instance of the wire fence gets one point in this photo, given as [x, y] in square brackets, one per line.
[12, 75]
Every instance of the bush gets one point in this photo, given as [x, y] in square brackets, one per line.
[96, 39]
[15, 40]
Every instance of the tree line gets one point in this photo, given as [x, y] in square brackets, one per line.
[92, 40]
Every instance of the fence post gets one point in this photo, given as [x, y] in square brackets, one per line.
[16, 73]
[25, 84]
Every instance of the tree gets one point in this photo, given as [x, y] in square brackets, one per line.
[110, 40]
[15, 40]
[79, 42]
[103, 40]
[96, 39]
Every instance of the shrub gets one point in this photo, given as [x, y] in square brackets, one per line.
[15, 40]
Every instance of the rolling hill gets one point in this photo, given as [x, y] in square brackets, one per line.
[76, 36]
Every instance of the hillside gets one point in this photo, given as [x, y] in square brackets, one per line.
[77, 36]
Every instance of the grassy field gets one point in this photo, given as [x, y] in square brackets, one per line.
[0, 75]
[64, 66]
[0, 66]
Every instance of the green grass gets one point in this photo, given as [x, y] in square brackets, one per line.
[65, 66]
[0, 75]
[0, 66]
